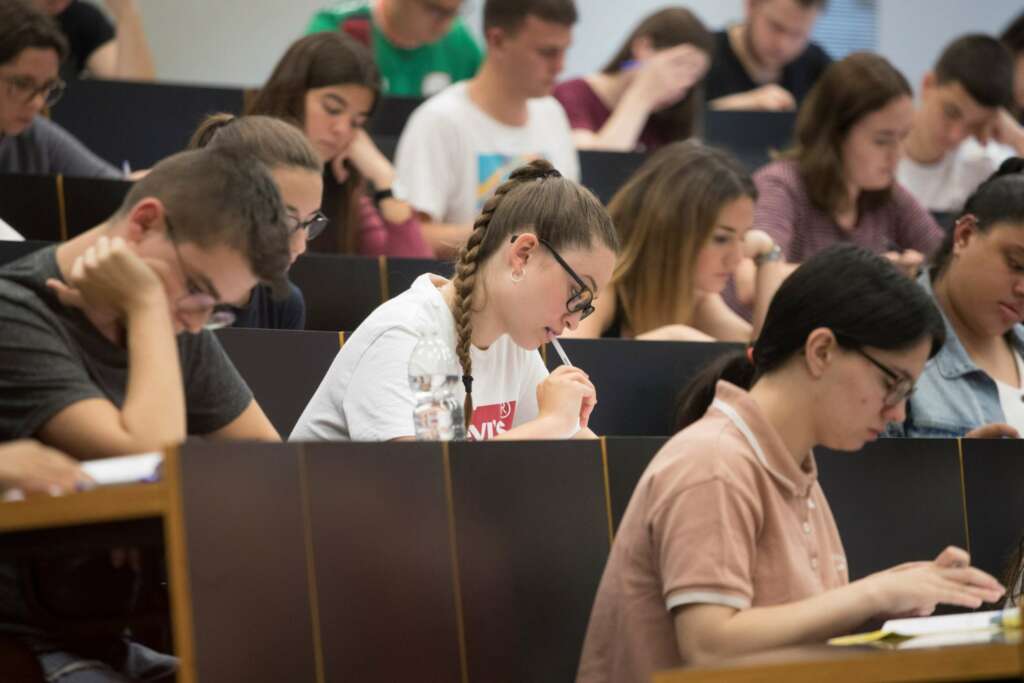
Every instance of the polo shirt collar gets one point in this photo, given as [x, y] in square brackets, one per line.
[744, 413]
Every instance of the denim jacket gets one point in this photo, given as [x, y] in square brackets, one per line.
[953, 395]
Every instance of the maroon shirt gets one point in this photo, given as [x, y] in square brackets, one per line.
[586, 111]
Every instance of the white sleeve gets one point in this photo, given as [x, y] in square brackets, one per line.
[533, 372]
[378, 401]
[567, 159]
[427, 163]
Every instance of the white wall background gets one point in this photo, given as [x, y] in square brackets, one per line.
[237, 42]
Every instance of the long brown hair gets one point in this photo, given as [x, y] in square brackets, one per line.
[535, 197]
[667, 28]
[849, 90]
[319, 61]
[665, 214]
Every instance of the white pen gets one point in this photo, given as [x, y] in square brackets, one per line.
[561, 352]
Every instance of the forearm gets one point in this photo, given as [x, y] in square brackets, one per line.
[539, 428]
[736, 101]
[134, 58]
[445, 239]
[812, 620]
[153, 414]
[768, 278]
[622, 130]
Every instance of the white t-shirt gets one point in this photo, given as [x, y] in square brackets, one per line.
[365, 395]
[452, 155]
[1012, 398]
[8, 233]
[946, 184]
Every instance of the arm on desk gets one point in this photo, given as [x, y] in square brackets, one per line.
[707, 632]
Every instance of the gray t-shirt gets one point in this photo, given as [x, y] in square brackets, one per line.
[51, 357]
[45, 148]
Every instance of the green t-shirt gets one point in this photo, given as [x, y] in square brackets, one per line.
[421, 72]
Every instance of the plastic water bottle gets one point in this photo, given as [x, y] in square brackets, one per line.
[433, 375]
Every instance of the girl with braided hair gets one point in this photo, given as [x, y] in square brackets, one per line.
[541, 251]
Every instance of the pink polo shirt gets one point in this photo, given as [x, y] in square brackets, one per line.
[722, 515]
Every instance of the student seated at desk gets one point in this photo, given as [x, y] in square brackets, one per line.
[975, 385]
[728, 545]
[296, 169]
[650, 93]
[31, 51]
[104, 350]
[684, 220]
[540, 253]
[838, 182]
[328, 85]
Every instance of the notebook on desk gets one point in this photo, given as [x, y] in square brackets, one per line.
[949, 629]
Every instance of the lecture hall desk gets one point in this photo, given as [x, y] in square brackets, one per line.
[825, 664]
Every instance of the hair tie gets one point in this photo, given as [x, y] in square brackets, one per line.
[467, 381]
[750, 355]
[549, 173]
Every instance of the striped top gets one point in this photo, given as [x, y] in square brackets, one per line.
[785, 212]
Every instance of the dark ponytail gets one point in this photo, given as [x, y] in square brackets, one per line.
[1000, 199]
[863, 298]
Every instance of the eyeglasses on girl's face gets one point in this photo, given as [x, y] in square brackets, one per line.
[582, 300]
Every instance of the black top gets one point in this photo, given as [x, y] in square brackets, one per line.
[86, 28]
[264, 311]
[727, 75]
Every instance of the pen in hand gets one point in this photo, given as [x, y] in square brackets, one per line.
[561, 352]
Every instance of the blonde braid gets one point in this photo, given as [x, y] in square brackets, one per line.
[466, 267]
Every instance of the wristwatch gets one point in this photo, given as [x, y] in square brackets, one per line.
[773, 254]
[381, 195]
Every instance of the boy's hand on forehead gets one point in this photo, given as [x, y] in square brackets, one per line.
[110, 277]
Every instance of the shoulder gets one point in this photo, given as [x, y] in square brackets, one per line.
[573, 88]
[546, 108]
[721, 43]
[784, 173]
[81, 14]
[459, 33]
[814, 56]
[344, 9]
[440, 107]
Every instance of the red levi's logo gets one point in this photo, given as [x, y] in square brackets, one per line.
[491, 421]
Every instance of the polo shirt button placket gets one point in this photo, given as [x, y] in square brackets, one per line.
[814, 562]
[807, 528]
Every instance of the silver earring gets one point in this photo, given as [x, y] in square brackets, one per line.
[517, 278]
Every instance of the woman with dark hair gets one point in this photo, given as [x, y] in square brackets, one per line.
[650, 93]
[728, 544]
[975, 385]
[837, 183]
[327, 85]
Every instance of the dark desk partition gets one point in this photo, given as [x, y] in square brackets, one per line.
[994, 489]
[90, 201]
[140, 123]
[30, 205]
[383, 560]
[340, 291]
[403, 271]
[391, 115]
[12, 251]
[750, 135]
[628, 457]
[282, 367]
[246, 532]
[897, 500]
[637, 382]
[532, 532]
[605, 172]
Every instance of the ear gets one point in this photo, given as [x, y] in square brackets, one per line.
[145, 218]
[495, 37]
[819, 351]
[642, 48]
[964, 230]
[927, 81]
[521, 250]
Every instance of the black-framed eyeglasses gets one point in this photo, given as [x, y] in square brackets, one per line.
[314, 225]
[197, 300]
[24, 88]
[581, 302]
[901, 386]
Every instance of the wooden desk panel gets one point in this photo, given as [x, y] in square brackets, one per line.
[382, 554]
[818, 663]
